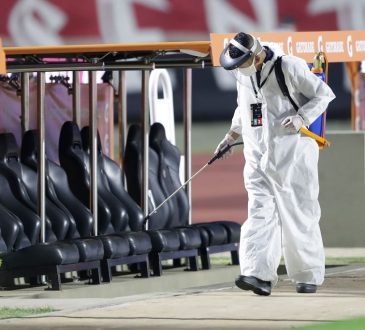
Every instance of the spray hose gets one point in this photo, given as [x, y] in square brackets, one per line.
[219, 154]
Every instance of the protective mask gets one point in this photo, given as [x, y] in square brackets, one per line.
[250, 70]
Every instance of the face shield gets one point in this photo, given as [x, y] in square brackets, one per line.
[229, 63]
[244, 63]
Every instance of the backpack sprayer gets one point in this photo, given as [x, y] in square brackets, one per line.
[219, 154]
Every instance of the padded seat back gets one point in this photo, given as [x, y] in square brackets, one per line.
[168, 173]
[19, 194]
[114, 178]
[3, 246]
[162, 219]
[57, 188]
[71, 158]
[28, 218]
[75, 161]
[12, 231]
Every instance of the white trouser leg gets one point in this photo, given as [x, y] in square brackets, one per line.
[260, 244]
[300, 213]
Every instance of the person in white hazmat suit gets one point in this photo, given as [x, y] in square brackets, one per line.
[281, 169]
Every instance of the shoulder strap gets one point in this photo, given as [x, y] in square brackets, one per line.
[281, 81]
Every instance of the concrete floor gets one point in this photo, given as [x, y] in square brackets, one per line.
[191, 300]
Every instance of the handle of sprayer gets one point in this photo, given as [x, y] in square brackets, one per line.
[222, 151]
[322, 142]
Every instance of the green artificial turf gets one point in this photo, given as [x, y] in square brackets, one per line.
[354, 324]
[7, 312]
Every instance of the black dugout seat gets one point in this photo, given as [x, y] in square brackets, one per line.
[117, 248]
[26, 186]
[217, 236]
[19, 196]
[166, 244]
[21, 259]
[112, 215]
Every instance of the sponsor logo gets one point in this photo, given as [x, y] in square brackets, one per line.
[289, 45]
[305, 47]
[360, 45]
[276, 45]
[349, 45]
[320, 43]
[334, 47]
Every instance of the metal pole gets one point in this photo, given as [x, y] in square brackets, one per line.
[76, 98]
[42, 152]
[187, 91]
[93, 148]
[145, 142]
[122, 115]
[25, 101]
[11, 68]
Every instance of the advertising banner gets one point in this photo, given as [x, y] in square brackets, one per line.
[339, 46]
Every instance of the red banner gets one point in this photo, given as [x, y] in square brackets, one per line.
[50, 22]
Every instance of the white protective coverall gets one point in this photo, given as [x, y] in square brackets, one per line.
[281, 175]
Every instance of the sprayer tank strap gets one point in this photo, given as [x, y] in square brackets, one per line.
[260, 85]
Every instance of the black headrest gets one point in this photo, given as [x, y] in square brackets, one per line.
[86, 140]
[8, 147]
[157, 134]
[134, 135]
[70, 136]
[29, 149]
[164, 148]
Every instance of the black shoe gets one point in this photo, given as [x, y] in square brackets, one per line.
[306, 288]
[262, 288]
